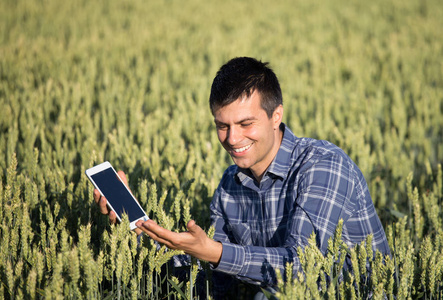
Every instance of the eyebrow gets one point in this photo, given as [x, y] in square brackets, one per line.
[252, 118]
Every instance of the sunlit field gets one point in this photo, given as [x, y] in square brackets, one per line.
[128, 81]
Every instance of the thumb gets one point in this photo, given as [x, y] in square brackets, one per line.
[192, 226]
[123, 177]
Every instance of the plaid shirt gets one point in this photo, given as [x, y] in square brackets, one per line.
[309, 186]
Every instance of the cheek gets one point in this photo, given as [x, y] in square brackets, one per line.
[221, 135]
[252, 133]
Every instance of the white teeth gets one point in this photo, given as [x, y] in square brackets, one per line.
[242, 149]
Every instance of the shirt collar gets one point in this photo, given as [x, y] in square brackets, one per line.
[279, 167]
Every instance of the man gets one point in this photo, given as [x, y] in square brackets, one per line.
[280, 190]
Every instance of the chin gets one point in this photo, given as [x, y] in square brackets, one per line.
[241, 164]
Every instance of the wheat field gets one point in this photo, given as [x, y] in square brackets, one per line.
[128, 81]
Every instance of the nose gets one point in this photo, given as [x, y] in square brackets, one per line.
[234, 135]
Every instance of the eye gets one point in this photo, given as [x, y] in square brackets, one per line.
[246, 124]
[221, 127]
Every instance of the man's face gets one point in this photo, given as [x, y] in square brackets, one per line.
[250, 137]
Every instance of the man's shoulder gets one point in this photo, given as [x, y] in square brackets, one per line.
[317, 148]
[301, 147]
[322, 155]
[313, 154]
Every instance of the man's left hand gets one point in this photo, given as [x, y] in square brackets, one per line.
[194, 242]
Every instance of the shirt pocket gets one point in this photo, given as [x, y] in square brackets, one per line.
[241, 233]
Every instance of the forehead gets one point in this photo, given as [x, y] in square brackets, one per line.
[241, 109]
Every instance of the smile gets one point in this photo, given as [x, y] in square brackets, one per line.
[239, 150]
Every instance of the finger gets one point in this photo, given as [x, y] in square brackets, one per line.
[112, 217]
[192, 226]
[195, 230]
[160, 234]
[123, 177]
[153, 235]
[159, 239]
[102, 205]
[137, 231]
[159, 231]
[101, 202]
[96, 195]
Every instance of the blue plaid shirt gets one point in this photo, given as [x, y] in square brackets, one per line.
[309, 186]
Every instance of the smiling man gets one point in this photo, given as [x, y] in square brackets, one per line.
[250, 137]
[280, 190]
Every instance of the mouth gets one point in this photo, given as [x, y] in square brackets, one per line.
[242, 149]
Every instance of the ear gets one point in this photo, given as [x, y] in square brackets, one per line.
[277, 116]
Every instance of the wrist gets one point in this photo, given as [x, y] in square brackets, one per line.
[213, 252]
[218, 250]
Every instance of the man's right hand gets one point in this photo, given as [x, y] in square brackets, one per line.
[101, 202]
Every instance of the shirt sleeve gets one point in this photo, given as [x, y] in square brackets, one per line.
[324, 194]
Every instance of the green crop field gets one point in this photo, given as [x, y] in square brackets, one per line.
[128, 81]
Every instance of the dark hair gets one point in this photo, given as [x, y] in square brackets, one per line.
[242, 76]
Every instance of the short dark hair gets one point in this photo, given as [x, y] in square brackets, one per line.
[241, 76]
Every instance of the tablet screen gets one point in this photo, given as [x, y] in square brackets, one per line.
[117, 195]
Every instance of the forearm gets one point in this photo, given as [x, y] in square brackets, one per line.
[256, 264]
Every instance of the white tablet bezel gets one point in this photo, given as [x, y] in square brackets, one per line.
[104, 166]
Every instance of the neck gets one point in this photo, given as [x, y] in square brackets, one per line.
[259, 175]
